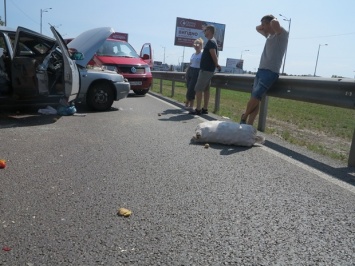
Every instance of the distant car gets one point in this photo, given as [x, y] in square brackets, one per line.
[119, 56]
[36, 69]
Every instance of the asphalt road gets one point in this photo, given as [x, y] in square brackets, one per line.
[272, 204]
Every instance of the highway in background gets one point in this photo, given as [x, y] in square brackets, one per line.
[271, 204]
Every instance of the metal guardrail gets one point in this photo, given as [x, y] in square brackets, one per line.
[336, 92]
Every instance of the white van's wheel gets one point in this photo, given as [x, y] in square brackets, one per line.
[100, 96]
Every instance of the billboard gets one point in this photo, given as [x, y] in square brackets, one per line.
[234, 66]
[188, 30]
[235, 63]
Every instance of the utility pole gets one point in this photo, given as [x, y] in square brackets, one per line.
[5, 12]
[164, 54]
[289, 29]
[315, 69]
[43, 10]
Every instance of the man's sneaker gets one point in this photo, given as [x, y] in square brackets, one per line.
[204, 111]
[242, 121]
[195, 112]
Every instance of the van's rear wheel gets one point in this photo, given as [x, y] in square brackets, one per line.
[100, 96]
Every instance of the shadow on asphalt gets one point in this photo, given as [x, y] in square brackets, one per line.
[178, 115]
[184, 113]
[26, 120]
[345, 174]
[133, 95]
[24, 117]
[224, 149]
[29, 116]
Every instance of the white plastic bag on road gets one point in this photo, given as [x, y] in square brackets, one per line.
[226, 132]
[49, 110]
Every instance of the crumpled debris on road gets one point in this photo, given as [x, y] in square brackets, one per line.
[6, 248]
[124, 212]
[49, 110]
[66, 110]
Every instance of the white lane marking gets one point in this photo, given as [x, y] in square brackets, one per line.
[318, 173]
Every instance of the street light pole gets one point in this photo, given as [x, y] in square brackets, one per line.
[289, 29]
[315, 69]
[43, 10]
[164, 54]
[183, 57]
[5, 11]
[180, 63]
[241, 54]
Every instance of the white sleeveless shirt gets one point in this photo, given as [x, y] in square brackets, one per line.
[195, 60]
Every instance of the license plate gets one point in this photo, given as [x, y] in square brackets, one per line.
[135, 83]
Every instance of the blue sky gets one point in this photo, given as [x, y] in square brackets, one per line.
[313, 22]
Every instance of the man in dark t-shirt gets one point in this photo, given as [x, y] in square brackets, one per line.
[209, 62]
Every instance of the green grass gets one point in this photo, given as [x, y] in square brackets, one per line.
[293, 121]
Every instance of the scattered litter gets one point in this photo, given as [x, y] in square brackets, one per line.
[76, 114]
[225, 117]
[6, 248]
[207, 146]
[159, 114]
[2, 164]
[66, 110]
[49, 110]
[124, 212]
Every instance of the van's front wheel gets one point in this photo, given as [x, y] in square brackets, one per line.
[100, 96]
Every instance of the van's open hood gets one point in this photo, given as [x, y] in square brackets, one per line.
[89, 42]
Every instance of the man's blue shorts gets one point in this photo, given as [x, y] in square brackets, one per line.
[263, 81]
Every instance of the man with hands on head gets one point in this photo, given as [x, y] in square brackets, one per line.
[270, 64]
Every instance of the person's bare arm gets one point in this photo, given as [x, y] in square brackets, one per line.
[215, 58]
[260, 29]
[275, 25]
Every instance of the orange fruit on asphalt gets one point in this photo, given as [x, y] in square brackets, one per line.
[2, 164]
